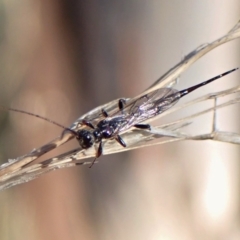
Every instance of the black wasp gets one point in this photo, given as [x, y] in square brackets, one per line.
[132, 115]
[129, 114]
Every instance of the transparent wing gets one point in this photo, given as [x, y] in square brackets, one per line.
[147, 106]
[135, 111]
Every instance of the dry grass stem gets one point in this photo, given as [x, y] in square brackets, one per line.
[24, 168]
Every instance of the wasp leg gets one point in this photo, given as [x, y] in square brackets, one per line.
[105, 114]
[120, 141]
[143, 126]
[121, 103]
[87, 123]
[99, 153]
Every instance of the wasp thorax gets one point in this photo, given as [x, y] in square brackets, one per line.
[108, 132]
[105, 129]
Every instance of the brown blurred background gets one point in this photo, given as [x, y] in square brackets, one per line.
[62, 58]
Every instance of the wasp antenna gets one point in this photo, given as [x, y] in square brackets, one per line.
[38, 116]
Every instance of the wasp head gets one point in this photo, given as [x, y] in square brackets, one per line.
[85, 138]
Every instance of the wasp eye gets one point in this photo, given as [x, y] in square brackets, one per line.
[85, 138]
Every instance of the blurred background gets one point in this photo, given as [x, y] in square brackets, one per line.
[62, 58]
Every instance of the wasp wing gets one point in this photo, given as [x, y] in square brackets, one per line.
[146, 106]
[135, 111]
